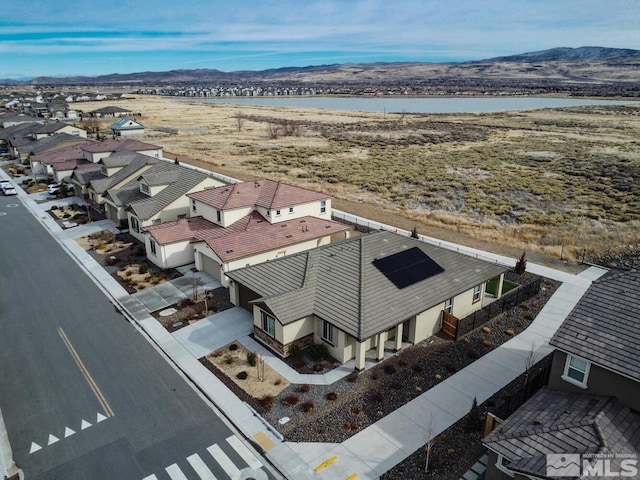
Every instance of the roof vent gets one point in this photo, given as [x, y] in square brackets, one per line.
[229, 251]
[289, 236]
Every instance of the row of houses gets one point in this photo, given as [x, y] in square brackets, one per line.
[308, 279]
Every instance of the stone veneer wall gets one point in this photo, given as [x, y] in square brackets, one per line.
[277, 347]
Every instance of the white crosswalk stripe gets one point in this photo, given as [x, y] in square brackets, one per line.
[175, 473]
[224, 461]
[200, 467]
[244, 452]
[218, 457]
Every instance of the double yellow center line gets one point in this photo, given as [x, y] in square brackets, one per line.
[87, 375]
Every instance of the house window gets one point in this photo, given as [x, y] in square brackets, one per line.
[268, 324]
[193, 205]
[152, 245]
[104, 171]
[157, 221]
[502, 464]
[134, 224]
[327, 332]
[144, 188]
[290, 209]
[576, 371]
[181, 216]
[323, 206]
[448, 305]
[277, 212]
[218, 215]
[477, 291]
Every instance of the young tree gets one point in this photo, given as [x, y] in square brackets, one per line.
[430, 440]
[239, 116]
[521, 264]
[474, 419]
[414, 232]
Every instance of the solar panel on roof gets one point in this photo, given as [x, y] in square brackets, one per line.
[407, 267]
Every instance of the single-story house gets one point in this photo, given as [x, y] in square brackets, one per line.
[125, 127]
[55, 128]
[356, 294]
[110, 112]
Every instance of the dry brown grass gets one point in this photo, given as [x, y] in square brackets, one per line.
[558, 181]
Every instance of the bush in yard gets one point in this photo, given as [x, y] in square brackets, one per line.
[291, 400]
[389, 369]
[266, 401]
[318, 367]
[252, 358]
[308, 406]
[318, 352]
[143, 268]
[521, 264]
[332, 396]
[305, 387]
[352, 377]
[242, 375]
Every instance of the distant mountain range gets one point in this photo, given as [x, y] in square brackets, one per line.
[591, 65]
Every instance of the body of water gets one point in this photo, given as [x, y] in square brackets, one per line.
[414, 104]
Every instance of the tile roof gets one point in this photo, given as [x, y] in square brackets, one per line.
[126, 124]
[63, 155]
[604, 327]
[60, 140]
[110, 109]
[71, 164]
[262, 193]
[340, 283]
[85, 174]
[178, 180]
[51, 127]
[565, 422]
[136, 163]
[118, 144]
[20, 130]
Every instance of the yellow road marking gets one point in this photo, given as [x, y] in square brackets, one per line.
[352, 477]
[326, 463]
[264, 441]
[86, 374]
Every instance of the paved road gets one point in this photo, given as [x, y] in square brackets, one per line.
[83, 394]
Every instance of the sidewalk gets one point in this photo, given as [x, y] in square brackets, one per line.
[381, 446]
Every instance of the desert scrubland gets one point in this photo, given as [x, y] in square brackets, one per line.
[562, 182]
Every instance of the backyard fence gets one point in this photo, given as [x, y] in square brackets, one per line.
[505, 302]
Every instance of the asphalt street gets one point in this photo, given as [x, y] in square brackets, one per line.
[83, 394]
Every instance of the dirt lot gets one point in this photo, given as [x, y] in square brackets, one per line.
[554, 181]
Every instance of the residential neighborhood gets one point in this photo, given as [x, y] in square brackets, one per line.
[267, 275]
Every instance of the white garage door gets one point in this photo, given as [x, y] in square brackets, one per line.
[210, 266]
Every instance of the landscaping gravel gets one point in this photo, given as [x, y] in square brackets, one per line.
[333, 413]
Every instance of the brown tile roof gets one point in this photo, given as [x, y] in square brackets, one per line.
[116, 145]
[262, 193]
[57, 156]
[71, 164]
[250, 235]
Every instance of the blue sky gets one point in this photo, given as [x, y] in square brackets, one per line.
[83, 37]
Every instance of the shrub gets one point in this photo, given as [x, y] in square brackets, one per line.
[352, 377]
[128, 274]
[305, 387]
[228, 359]
[377, 397]
[355, 409]
[486, 343]
[252, 358]
[266, 401]
[486, 329]
[318, 352]
[472, 354]
[389, 369]
[451, 368]
[277, 381]
[291, 400]
[466, 341]
[318, 367]
[416, 367]
[403, 362]
[54, 207]
[375, 374]
[510, 332]
[295, 351]
[233, 347]
[474, 417]
[308, 406]
[332, 396]
[143, 268]
[140, 251]
[242, 375]
[521, 264]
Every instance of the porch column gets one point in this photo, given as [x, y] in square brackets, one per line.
[360, 356]
[499, 286]
[382, 337]
[398, 337]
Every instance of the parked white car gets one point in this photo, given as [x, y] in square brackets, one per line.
[54, 188]
[9, 190]
[5, 183]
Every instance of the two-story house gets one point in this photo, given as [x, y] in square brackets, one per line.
[592, 403]
[155, 196]
[126, 127]
[105, 148]
[242, 224]
[357, 294]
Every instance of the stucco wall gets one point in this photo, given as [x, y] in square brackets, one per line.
[171, 255]
[600, 382]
